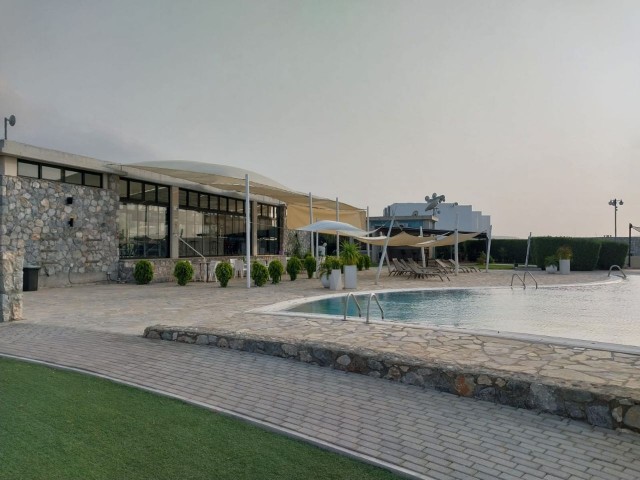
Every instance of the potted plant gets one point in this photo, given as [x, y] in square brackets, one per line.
[564, 254]
[551, 264]
[330, 273]
[349, 255]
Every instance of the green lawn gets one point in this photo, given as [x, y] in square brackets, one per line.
[62, 425]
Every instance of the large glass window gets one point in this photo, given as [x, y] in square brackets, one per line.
[268, 229]
[143, 225]
[211, 225]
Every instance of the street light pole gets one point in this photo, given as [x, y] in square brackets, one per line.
[614, 203]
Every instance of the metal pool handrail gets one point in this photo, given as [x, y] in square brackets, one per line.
[346, 306]
[375, 297]
[624, 275]
[523, 279]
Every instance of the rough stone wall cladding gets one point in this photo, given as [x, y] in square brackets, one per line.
[599, 409]
[35, 219]
[293, 237]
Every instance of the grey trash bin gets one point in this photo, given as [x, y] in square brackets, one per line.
[30, 279]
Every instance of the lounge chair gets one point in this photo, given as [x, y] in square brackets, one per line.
[419, 270]
[400, 268]
[443, 266]
[464, 268]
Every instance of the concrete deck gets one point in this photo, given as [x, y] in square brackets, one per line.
[418, 432]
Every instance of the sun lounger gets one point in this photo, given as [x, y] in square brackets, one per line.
[464, 268]
[426, 271]
[400, 268]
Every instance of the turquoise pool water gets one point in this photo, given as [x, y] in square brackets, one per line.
[604, 313]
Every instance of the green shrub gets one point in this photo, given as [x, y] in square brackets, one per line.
[143, 272]
[294, 267]
[259, 273]
[349, 253]
[612, 253]
[183, 271]
[551, 260]
[309, 265]
[585, 251]
[366, 259]
[482, 259]
[276, 269]
[224, 272]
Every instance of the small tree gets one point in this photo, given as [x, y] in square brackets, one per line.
[294, 266]
[224, 272]
[276, 269]
[183, 272]
[310, 265]
[259, 274]
[143, 272]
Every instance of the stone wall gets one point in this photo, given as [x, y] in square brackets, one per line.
[10, 286]
[608, 410]
[35, 220]
[294, 239]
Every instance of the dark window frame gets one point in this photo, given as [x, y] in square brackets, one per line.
[63, 170]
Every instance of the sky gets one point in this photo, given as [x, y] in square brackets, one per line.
[527, 110]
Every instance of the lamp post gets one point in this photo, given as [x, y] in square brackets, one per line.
[11, 121]
[614, 203]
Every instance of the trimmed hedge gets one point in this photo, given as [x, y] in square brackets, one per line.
[612, 253]
[585, 251]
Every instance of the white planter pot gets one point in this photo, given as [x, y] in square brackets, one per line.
[350, 276]
[551, 269]
[324, 280]
[565, 267]
[335, 280]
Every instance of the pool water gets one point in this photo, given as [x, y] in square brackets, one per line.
[604, 313]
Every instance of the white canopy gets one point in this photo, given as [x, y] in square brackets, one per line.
[448, 240]
[335, 228]
[232, 179]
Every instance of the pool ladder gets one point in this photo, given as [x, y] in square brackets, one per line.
[617, 267]
[371, 296]
[523, 279]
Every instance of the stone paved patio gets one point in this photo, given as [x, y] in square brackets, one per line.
[96, 328]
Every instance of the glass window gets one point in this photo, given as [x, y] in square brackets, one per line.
[182, 196]
[71, 176]
[240, 206]
[135, 190]
[214, 202]
[223, 204]
[231, 203]
[28, 170]
[51, 173]
[92, 179]
[163, 195]
[193, 199]
[123, 188]
[204, 201]
[149, 193]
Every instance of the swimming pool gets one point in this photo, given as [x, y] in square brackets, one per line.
[608, 312]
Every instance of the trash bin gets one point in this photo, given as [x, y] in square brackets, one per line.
[30, 279]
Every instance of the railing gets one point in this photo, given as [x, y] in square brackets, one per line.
[371, 296]
[375, 297]
[617, 267]
[187, 244]
[346, 305]
[203, 275]
[523, 279]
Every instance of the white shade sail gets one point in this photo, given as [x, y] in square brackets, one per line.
[232, 179]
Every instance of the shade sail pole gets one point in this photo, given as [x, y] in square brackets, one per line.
[384, 249]
[456, 249]
[486, 268]
[368, 230]
[337, 234]
[526, 259]
[247, 212]
[424, 260]
[311, 220]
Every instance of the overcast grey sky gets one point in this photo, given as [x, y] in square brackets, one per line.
[527, 110]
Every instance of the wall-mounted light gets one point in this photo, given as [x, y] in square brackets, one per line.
[70, 222]
[69, 200]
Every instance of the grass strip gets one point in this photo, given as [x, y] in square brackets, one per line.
[56, 424]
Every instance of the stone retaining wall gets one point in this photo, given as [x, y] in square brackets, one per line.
[608, 410]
